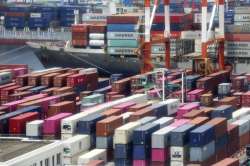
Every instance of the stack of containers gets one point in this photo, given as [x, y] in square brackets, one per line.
[142, 143]
[97, 35]
[34, 129]
[237, 35]
[122, 34]
[41, 17]
[15, 17]
[179, 139]
[87, 125]
[67, 14]
[123, 143]
[5, 77]
[80, 35]
[104, 133]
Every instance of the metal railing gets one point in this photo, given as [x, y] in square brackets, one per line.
[26, 34]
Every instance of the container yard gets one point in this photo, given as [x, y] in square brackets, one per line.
[125, 83]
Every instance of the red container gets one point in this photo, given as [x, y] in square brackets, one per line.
[221, 154]
[106, 127]
[17, 124]
[125, 106]
[19, 96]
[233, 139]
[75, 80]
[6, 86]
[244, 140]
[246, 99]
[98, 28]
[239, 83]
[52, 124]
[6, 92]
[239, 97]
[79, 43]
[195, 95]
[122, 86]
[161, 155]
[20, 71]
[15, 14]
[81, 28]
[237, 37]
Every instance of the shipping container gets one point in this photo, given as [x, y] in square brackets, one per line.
[34, 128]
[95, 154]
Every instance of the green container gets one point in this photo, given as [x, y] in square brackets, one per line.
[123, 43]
[95, 98]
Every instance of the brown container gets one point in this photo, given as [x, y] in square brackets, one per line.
[6, 92]
[22, 80]
[138, 107]
[106, 127]
[122, 19]
[65, 106]
[207, 111]
[141, 114]
[110, 94]
[198, 121]
[19, 96]
[244, 140]
[221, 154]
[239, 97]
[70, 96]
[229, 101]
[233, 132]
[193, 114]
[47, 80]
[96, 163]
[98, 28]
[246, 99]
[207, 99]
[35, 79]
[158, 163]
[122, 86]
[112, 112]
[25, 88]
[233, 147]
[62, 90]
[85, 93]
[80, 28]
[91, 81]
[61, 80]
[116, 97]
[49, 91]
[228, 162]
[220, 126]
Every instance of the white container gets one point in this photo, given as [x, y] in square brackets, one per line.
[88, 70]
[172, 105]
[178, 153]
[160, 138]
[244, 126]
[34, 128]
[96, 36]
[96, 43]
[35, 15]
[66, 136]
[164, 121]
[123, 134]
[202, 153]
[190, 34]
[94, 17]
[95, 154]
[242, 17]
[121, 51]
[125, 116]
[240, 113]
[68, 125]
[176, 163]
[76, 144]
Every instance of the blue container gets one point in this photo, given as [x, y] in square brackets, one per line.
[221, 142]
[161, 27]
[191, 81]
[160, 110]
[38, 89]
[104, 142]
[103, 83]
[142, 135]
[180, 135]
[201, 136]
[146, 120]
[141, 152]
[18, 9]
[115, 77]
[123, 151]
[122, 162]
[4, 119]
[224, 111]
[122, 28]
[87, 125]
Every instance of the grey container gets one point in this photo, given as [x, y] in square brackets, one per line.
[146, 120]
[202, 153]
[160, 138]
[104, 142]
[180, 135]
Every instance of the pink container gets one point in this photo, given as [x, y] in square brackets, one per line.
[52, 126]
[161, 155]
[20, 71]
[187, 108]
[125, 106]
[13, 105]
[179, 122]
[140, 163]
[195, 95]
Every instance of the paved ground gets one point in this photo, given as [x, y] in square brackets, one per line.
[12, 148]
